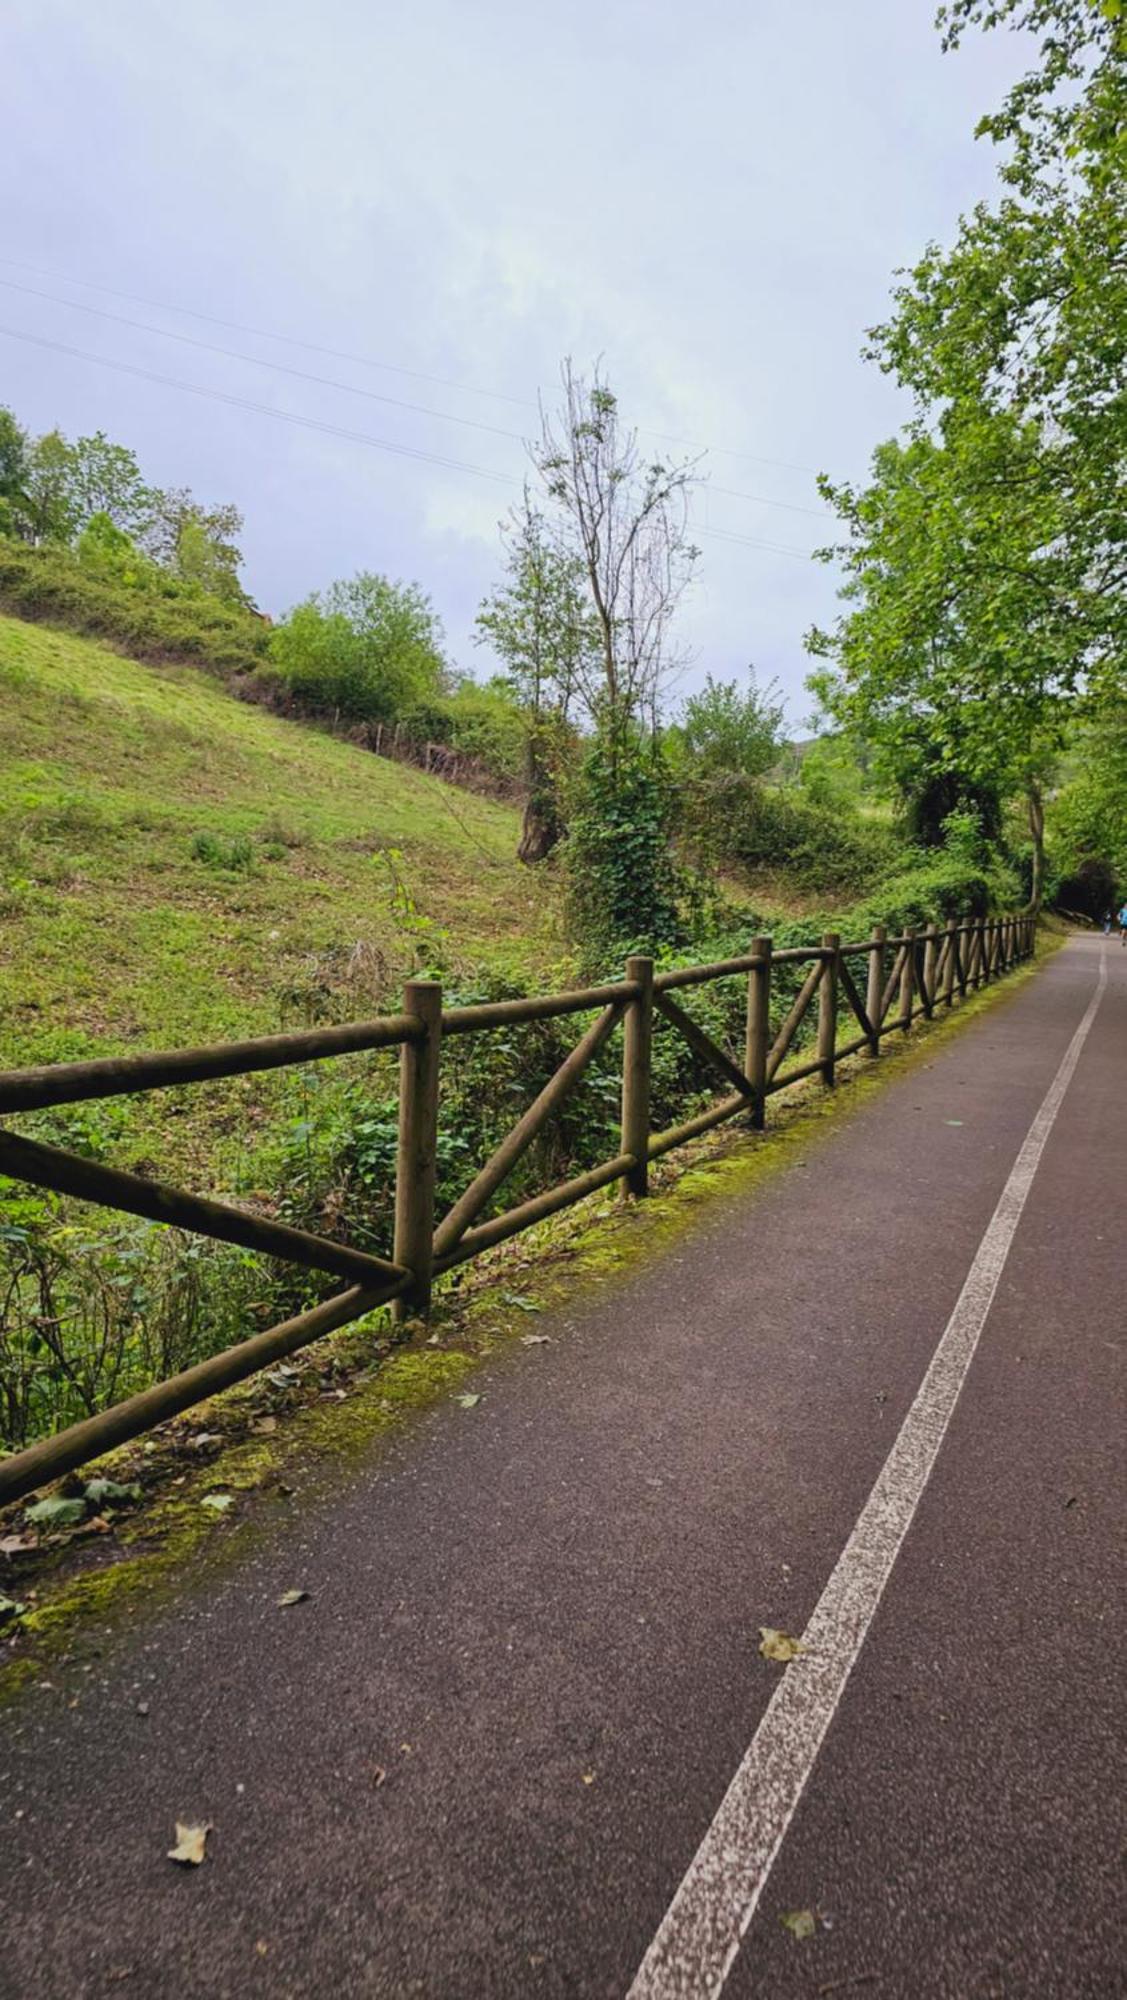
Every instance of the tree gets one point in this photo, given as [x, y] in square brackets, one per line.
[196, 543]
[14, 447]
[46, 512]
[622, 521]
[729, 731]
[368, 649]
[956, 662]
[105, 478]
[539, 623]
[988, 558]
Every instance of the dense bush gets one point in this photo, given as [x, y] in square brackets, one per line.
[737, 821]
[117, 594]
[622, 883]
[368, 650]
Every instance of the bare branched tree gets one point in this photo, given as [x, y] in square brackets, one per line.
[625, 519]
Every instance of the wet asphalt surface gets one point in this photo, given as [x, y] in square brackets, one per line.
[540, 1617]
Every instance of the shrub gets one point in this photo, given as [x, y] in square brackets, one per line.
[368, 650]
[621, 879]
[235, 855]
[122, 597]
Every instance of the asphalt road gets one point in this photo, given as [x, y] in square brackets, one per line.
[540, 1617]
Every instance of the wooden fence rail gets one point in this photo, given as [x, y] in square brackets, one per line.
[919, 972]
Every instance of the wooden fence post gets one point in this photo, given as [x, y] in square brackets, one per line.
[907, 979]
[827, 1008]
[758, 1029]
[949, 962]
[985, 942]
[927, 980]
[637, 1036]
[874, 986]
[418, 1135]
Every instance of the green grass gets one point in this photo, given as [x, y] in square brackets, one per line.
[176, 866]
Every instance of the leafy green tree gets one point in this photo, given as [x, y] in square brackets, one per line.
[367, 649]
[731, 731]
[955, 662]
[539, 623]
[987, 561]
[14, 447]
[47, 512]
[105, 478]
[196, 543]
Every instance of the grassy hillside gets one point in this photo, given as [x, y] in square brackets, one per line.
[177, 867]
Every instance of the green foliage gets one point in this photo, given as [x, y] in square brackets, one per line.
[109, 590]
[96, 1309]
[985, 557]
[831, 775]
[1087, 818]
[366, 649]
[236, 855]
[729, 731]
[622, 884]
[743, 823]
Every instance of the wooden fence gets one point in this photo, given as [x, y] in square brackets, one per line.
[895, 979]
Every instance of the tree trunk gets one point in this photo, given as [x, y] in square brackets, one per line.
[542, 826]
[1037, 830]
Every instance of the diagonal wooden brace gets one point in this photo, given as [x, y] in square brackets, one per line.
[485, 1184]
[702, 1044]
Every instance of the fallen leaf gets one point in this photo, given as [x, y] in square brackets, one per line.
[283, 1377]
[588, 1777]
[800, 1923]
[263, 1426]
[56, 1513]
[218, 1502]
[536, 1340]
[289, 1597]
[952, 1121]
[190, 1844]
[98, 1491]
[203, 1440]
[468, 1402]
[518, 1299]
[379, 1775]
[10, 1609]
[17, 1545]
[775, 1645]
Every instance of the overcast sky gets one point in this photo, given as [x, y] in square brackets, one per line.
[712, 197]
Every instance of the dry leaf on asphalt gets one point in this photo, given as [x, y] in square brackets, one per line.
[468, 1402]
[190, 1844]
[292, 1597]
[536, 1340]
[775, 1645]
[800, 1923]
[218, 1502]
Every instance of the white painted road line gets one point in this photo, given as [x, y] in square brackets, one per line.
[700, 1934]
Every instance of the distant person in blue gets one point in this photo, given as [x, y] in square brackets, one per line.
[1123, 925]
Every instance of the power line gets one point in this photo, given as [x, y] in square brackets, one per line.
[390, 367]
[264, 333]
[256, 361]
[346, 388]
[260, 409]
[335, 430]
